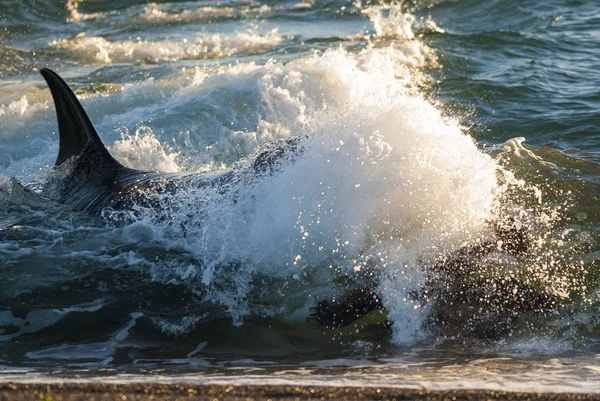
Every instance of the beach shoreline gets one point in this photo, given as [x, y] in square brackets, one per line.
[181, 391]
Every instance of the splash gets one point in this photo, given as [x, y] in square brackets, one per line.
[154, 13]
[72, 7]
[143, 148]
[17, 108]
[382, 182]
[381, 187]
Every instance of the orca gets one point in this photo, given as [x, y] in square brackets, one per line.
[89, 179]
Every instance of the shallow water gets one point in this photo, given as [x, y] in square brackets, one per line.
[426, 129]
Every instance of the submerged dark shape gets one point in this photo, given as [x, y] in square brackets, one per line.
[89, 179]
[353, 305]
[466, 300]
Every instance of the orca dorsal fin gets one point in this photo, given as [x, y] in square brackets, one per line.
[93, 180]
[75, 129]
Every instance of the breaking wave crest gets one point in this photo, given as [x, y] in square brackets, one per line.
[102, 51]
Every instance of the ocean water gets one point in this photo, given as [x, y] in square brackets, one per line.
[449, 168]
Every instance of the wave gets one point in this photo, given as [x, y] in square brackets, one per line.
[385, 185]
[391, 21]
[154, 13]
[102, 51]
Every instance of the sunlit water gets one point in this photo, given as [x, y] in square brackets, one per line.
[425, 128]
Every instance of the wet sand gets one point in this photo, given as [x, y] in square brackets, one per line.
[159, 392]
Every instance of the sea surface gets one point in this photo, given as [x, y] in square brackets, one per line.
[449, 168]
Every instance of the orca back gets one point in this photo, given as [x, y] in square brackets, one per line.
[88, 178]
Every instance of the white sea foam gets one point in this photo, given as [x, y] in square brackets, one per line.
[72, 7]
[154, 12]
[183, 326]
[96, 49]
[165, 13]
[16, 110]
[568, 375]
[18, 107]
[535, 346]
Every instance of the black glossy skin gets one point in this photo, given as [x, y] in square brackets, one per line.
[90, 180]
